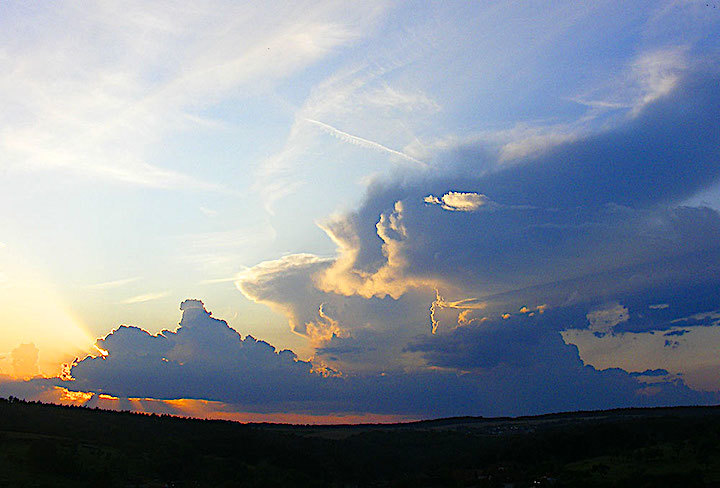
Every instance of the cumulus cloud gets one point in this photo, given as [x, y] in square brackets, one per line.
[271, 281]
[690, 353]
[205, 359]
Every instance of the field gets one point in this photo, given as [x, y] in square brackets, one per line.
[47, 445]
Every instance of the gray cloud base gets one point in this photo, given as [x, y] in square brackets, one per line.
[206, 359]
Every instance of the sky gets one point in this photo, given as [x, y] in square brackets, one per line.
[389, 211]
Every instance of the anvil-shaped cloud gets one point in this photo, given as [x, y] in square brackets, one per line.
[578, 223]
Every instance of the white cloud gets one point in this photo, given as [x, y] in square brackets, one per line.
[217, 251]
[145, 297]
[209, 212]
[651, 75]
[344, 136]
[536, 141]
[112, 284]
[362, 100]
[391, 278]
[604, 319]
[459, 201]
[658, 72]
[93, 96]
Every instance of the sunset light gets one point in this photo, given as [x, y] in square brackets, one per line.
[332, 212]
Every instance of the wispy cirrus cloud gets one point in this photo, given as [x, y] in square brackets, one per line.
[95, 101]
[344, 136]
[217, 251]
[105, 285]
[358, 97]
[145, 297]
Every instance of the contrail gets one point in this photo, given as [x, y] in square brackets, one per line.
[344, 136]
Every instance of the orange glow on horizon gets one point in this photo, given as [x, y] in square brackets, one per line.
[311, 419]
[211, 410]
[74, 397]
[30, 302]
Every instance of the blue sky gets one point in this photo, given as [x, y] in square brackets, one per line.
[400, 189]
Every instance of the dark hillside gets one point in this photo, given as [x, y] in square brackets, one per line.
[49, 445]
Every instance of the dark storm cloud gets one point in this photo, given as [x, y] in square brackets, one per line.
[666, 152]
[651, 372]
[519, 341]
[582, 222]
[694, 302]
[206, 359]
[203, 358]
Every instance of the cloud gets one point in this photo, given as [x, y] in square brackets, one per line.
[344, 136]
[680, 338]
[271, 282]
[583, 215]
[651, 372]
[604, 319]
[688, 352]
[112, 284]
[208, 212]
[658, 73]
[575, 226]
[679, 332]
[218, 251]
[604, 167]
[145, 297]
[42, 389]
[516, 342]
[362, 99]
[466, 306]
[205, 359]
[650, 76]
[459, 201]
[92, 98]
